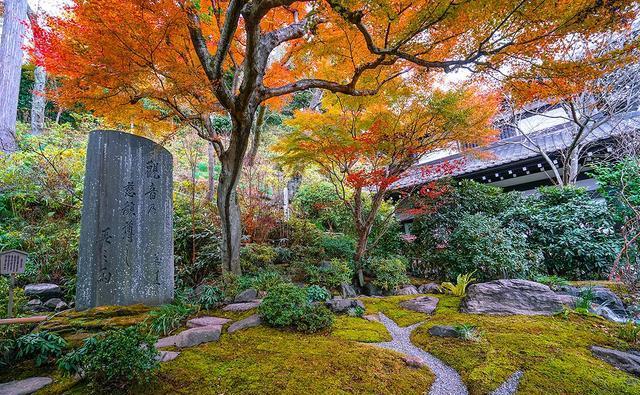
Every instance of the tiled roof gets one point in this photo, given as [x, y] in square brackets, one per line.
[510, 150]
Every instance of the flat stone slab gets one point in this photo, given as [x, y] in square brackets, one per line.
[43, 291]
[206, 321]
[243, 306]
[166, 356]
[443, 331]
[624, 361]
[422, 304]
[371, 317]
[248, 322]
[191, 337]
[248, 295]
[24, 387]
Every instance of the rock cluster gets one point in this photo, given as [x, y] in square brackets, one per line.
[44, 297]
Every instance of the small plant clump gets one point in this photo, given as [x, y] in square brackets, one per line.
[288, 305]
[42, 347]
[460, 288]
[468, 332]
[552, 281]
[210, 297]
[317, 293]
[115, 360]
[355, 311]
[629, 332]
[169, 317]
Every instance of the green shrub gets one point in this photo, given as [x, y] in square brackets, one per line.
[583, 303]
[317, 293]
[288, 305]
[254, 257]
[387, 273]
[169, 317]
[319, 203]
[481, 243]
[264, 280]
[330, 274]
[210, 297]
[314, 318]
[355, 311]
[468, 332]
[552, 281]
[115, 360]
[42, 347]
[338, 246]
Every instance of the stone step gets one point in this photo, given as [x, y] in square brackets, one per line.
[24, 387]
[206, 321]
[191, 337]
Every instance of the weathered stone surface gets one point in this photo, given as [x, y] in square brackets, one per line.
[567, 290]
[248, 322]
[414, 362]
[507, 297]
[429, 288]
[422, 304]
[166, 356]
[247, 295]
[371, 317]
[206, 321]
[35, 306]
[42, 291]
[242, 306]
[126, 238]
[606, 297]
[371, 290]
[443, 331]
[62, 305]
[191, 337]
[625, 361]
[24, 387]
[52, 303]
[343, 305]
[406, 290]
[347, 291]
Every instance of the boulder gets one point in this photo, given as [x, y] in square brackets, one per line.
[206, 321]
[422, 304]
[509, 297]
[343, 305]
[624, 361]
[443, 331]
[429, 288]
[248, 322]
[191, 337]
[52, 303]
[245, 296]
[35, 306]
[347, 291]
[60, 306]
[406, 290]
[43, 291]
[603, 296]
[567, 290]
[24, 387]
[371, 290]
[166, 356]
[243, 306]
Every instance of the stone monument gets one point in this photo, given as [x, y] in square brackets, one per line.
[126, 234]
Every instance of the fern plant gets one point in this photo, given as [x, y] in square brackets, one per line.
[460, 288]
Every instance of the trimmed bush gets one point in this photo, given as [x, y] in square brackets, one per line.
[317, 293]
[329, 275]
[254, 257]
[387, 273]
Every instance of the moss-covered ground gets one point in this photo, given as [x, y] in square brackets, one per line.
[553, 352]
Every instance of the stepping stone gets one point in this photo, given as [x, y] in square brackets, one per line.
[191, 337]
[248, 322]
[414, 362]
[24, 387]
[243, 306]
[371, 317]
[166, 356]
[248, 295]
[206, 321]
[443, 331]
[422, 304]
[339, 305]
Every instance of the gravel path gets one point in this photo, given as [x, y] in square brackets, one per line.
[448, 381]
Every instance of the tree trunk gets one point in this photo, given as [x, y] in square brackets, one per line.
[571, 168]
[228, 207]
[38, 101]
[255, 143]
[211, 154]
[13, 30]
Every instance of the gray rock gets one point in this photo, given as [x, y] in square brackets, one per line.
[429, 288]
[508, 297]
[206, 321]
[414, 362]
[567, 290]
[126, 238]
[52, 303]
[166, 356]
[343, 305]
[443, 331]
[606, 297]
[422, 304]
[24, 387]
[242, 306]
[61, 306]
[624, 361]
[371, 317]
[568, 300]
[406, 290]
[35, 306]
[43, 291]
[248, 322]
[371, 290]
[247, 295]
[191, 337]
[347, 291]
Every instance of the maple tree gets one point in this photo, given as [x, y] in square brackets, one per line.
[363, 145]
[167, 63]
